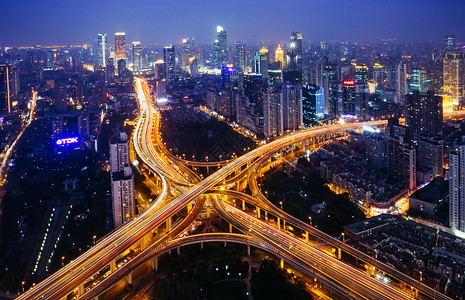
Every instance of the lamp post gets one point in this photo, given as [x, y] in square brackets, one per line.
[62, 261]
[310, 220]
[281, 203]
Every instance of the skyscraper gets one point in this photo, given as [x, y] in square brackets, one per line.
[120, 46]
[122, 182]
[457, 188]
[296, 38]
[453, 75]
[240, 60]
[136, 56]
[313, 104]
[102, 49]
[272, 114]
[420, 80]
[292, 107]
[5, 89]
[293, 70]
[263, 54]
[424, 114]
[279, 55]
[220, 47]
[186, 54]
[401, 82]
[170, 63]
[361, 74]
[449, 41]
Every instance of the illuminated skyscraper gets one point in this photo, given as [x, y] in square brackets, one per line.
[424, 114]
[170, 63]
[5, 89]
[457, 188]
[102, 49]
[263, 54]
[240, 60]
[361, 74]
[279, 55]
[293, 69]
[296, 39]
[120, 46]
[220, 48]
[453, 75]
[292, 107]
[136, 56]
[449, 41]
[420, 80]
[186, 54]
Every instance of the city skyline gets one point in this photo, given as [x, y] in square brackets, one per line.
[162, 23]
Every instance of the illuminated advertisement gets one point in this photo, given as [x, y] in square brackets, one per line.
[67, 141]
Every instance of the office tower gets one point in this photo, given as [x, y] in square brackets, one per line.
[221, 36]
[424, 114]
[378, 75]
[420, 80]
[51, 59]
[376, 151]
[348, 98]
[170, 63]
[110, 71]
[313, 104]
[361, 74]
[120, 46]
[194, 67]
[293, 69]
[453, 75]
[122, 182]
[5, 89]
[240, 59]
[296, 39]
[121, 67]
[186, 54]
[279, 55]
[160, 89]
[136, 56]
[430, 155]
[401, 82]
[449, 41]
[457, 187]
[102, 49]
[160, 69]
[273, 114]
[263, 54]
[292, 107]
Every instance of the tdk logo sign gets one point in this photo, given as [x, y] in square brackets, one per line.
[67, 141]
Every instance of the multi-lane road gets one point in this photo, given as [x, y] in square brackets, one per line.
[152, 155]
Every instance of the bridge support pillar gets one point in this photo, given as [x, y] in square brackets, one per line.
[189, 207]
[306, 237]
[266, 215]
[230, 228]
[155, 263]
[243, 205]
[208, 212]
[339, 253]
[248, 250]
[129, 278]
[113, 266]
[179, 250]
[168, 224]
[258, 212]
[279, 223]
[201, 245]
[81, 290]
[225, 244]
[95, 298]
[281, 263]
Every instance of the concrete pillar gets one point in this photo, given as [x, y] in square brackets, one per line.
[279, 223]
[266, 215]
[168, 224]
[95, 298]
[155, 263]
[243, 205]
[112, 266]
[225, 244]
[284, 224]
[306, 237]
[248, 250]
[281, 263]
[129, 278]
[208, 212]
[201, 245]
[230, 228]
[258, 212]
[189, 207]
[339, 253]
[179, 250]
[81, 290]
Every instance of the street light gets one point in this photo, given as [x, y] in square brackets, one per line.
[93, 239]
[62, 261]
[310, 220]
[281, 203]
[22, 285]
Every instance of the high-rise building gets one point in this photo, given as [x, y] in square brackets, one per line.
[296, 40]
[120, 46]
[240, 59]
[424, 114]
[348, 98]
[5, 88]
[430, 155]
[273, 114]
[453, 75]
[293, 69]
[420, 80]
[313, 104]
[292, 107]
[401, 160]
[186, 54]
[122, 181]
[170, 63]
[102, 49]
[263, 54]
[279, 55]
[220, 48]
[137, 56]
[361, 74]
[457, 187]
[401, 82]
[449, 41]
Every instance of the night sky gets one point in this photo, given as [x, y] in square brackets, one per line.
[51, 22]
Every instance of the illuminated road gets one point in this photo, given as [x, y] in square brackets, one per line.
[294, 251]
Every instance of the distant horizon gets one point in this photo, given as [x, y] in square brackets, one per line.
[30, 22]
